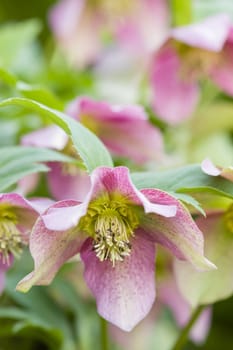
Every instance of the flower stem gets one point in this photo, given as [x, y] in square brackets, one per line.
[181, 12]
[185, 332]
[104, 334]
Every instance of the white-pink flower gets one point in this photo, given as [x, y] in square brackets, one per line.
[190, 53]
[115, 230]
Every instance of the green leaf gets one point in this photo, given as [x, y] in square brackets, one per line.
[210, 286]
[17, 162]
[181, 12]
[189, 201]
[187, 179]
[90, 148]
[13, 39]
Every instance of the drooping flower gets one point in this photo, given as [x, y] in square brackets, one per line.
[200, 50]
[17, 216]
[115, 230]
[125, 130]
[80, 26]
[210, 169]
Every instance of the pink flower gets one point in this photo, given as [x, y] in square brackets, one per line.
[125, 130]
[17, 216]
[79, 26]
[190, 53]
[210, 169]
[115, 230]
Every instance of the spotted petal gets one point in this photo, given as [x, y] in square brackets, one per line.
[180, 234]
[50, 250]
[125, 293]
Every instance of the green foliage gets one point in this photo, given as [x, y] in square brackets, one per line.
[90, 148]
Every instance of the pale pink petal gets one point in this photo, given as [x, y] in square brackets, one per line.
[134, 30]
[25, 211]
[28, 184]
[179, 234]
[121, 128]
[64, 16]
[124, 293]
[64, 216]
[169, 295]
[210, 34]
[209, 168]
[117, 180]
[222, 73]
[106, 182]
[65, 186]
[40, 204]
[73, 24]
[49, 137]
[174, 98]
[50, 250]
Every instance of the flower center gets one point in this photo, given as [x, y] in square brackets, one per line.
[111, 224]
[197, 63]
[228, 218]
[10, 236]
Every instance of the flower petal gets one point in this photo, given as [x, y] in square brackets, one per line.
[180, 234]
[64, 215]
[209, 34]
[209, 168]
[121, 128]
[117, 180]
[50, 137]
[173, 98]
[50, 250]
[222, 73]
[124, 293]
[65, 186]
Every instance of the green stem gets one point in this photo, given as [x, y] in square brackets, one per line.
[185, 332]
[181, 12]
[104, 334]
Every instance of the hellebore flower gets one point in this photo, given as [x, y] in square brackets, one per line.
[125, 130]
[200, 50]
[80, 26]
[114, 230]
[17, 216]
[210, 169]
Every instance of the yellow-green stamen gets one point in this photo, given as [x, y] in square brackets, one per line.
[10, 236]
[111, 224]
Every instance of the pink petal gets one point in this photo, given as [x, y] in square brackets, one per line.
[28, 184]
[121, 128]
[50, 250]
[209, 168]
[117, 180]
[222, 73]
[41, 204]
[25, 211]
[50, 137]
[65, 186]
[180, 234]
[64, 215]
[124, 293]
[173, 98]
[209, 34]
